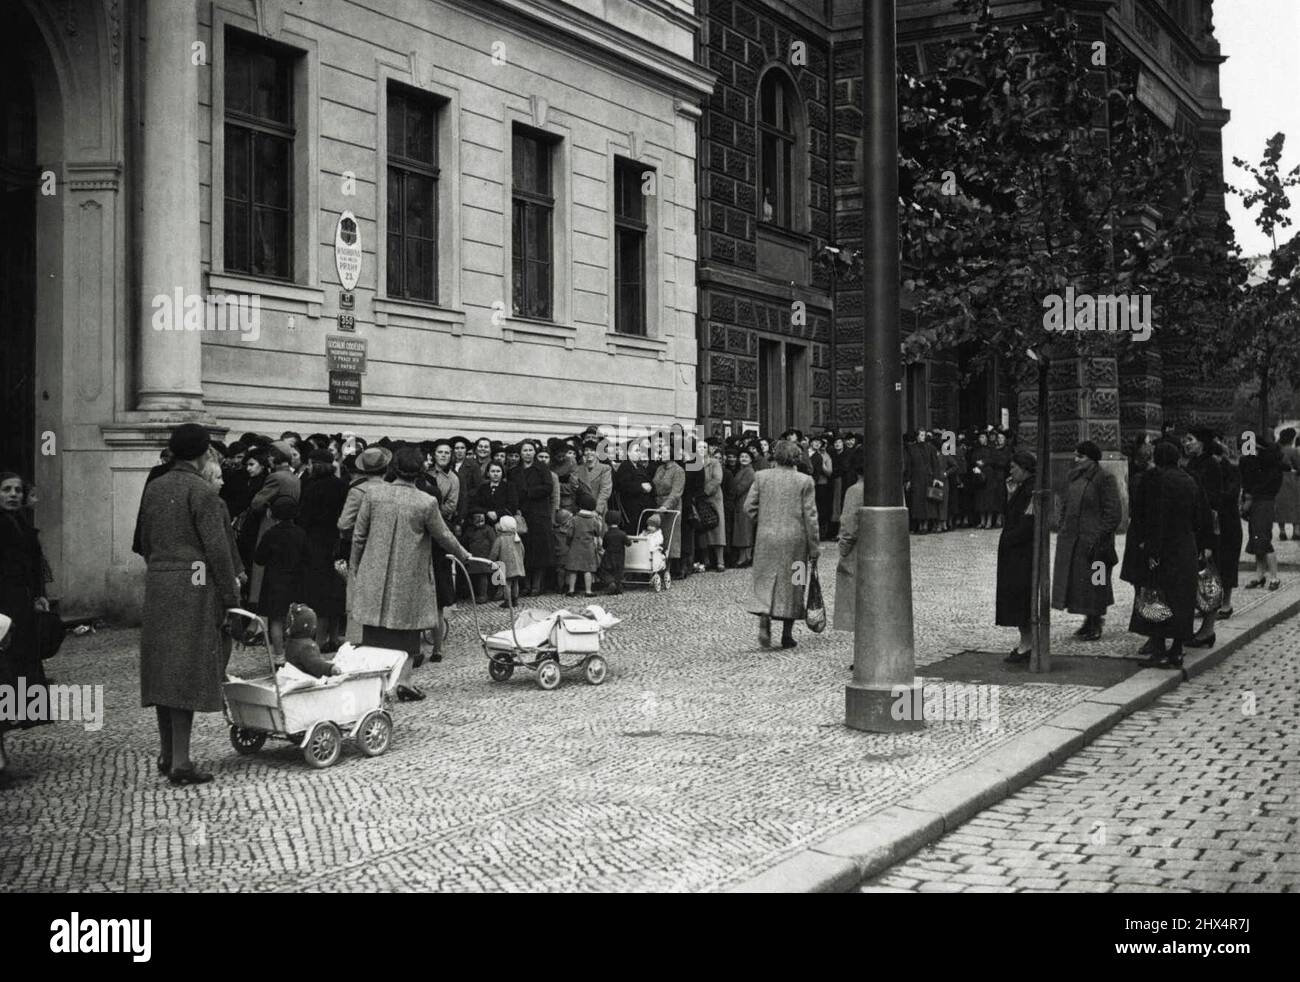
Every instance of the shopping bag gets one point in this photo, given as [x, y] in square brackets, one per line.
[814, 605]
[1151, 604]
[1209, 589]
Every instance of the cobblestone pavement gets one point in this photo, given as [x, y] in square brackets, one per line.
[703, 760]
[1198, 792]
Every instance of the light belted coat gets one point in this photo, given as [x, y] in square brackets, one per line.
[392, 551]
[782, 504]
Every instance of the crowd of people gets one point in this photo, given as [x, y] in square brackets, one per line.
[363, 534]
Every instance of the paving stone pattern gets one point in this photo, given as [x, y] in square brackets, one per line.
[702, 761]
[1198, 792]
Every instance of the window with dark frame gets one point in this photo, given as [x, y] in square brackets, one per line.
[412, 195]
[776, 150]
[533, 208]
[259, 147]
[629, 246]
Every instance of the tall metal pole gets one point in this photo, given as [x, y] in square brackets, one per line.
[882, 696]
[1042, 576]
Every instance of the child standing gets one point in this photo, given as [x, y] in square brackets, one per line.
[508, 550]
[562, 532]
[477, 537]
[283, 555]
[584, 547]
[615, 551]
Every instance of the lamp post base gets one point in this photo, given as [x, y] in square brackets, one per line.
[883, 709]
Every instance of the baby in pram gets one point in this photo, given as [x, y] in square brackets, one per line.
[654, 538]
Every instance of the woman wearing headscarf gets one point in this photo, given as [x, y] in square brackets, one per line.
[1085, 547]
[782, 503]
[1015, 596]
[189, 584]
[669, 483]
[22, 598]
[1173, 523]
[397, 530]
[533, 486]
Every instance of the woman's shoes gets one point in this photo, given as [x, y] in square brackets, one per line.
[788, 642]
[1205, 642]
[409, 693]
[1018, 657]
[164, 766]
[1224, 613]
[1092, 634]
[1158, 659]
[188, 775]
[1255, 584]
[765, 631]
[1274, 584]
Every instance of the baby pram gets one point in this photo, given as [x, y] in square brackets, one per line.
[546, 642]
[314, 713]
[640, 561]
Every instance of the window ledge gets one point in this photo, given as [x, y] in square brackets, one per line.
[778, 232]
[413, 313]
[638, 345]
[527, 329]
[287, 296]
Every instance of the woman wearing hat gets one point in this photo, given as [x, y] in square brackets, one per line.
[1016, 557]
[182, 655]
[280, 480]
[321, 505]
[371, 465]
[1085, 547]
[391, 566]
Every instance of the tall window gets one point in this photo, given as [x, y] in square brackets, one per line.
[259, 159]
[531, 230]
[412, 195]
[776, 101]
[629, 247]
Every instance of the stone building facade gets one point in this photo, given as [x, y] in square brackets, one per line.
[517, 178]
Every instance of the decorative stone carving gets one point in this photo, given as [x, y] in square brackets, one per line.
[1104, 402]
[270, 17]
[539, 107]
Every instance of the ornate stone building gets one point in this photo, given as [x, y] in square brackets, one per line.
[513, 182]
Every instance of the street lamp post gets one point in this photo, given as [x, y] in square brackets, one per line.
[884, 662]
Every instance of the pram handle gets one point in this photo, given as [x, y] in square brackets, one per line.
[266, 633]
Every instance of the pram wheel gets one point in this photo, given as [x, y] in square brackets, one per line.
[657, 583]
[246, 742]
[500, 670]
[375, 735]
[323, 746]
[548, 674]
[596, 669]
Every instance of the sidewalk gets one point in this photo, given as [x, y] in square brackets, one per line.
[703, 763]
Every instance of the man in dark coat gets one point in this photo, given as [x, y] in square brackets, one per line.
[1172, 526]
[189, 585]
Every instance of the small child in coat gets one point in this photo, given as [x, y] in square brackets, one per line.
[283, 553]
[301, 650]
[477, 537]
[615, 546]
[562, 533]
[584, 546]
[508, 549]
[654, 538]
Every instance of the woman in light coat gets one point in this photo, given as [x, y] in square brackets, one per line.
[782, 503]
[716, 537]
[391, 565]
[846, 571]
[669, 482]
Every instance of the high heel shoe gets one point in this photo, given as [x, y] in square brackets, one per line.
[1205, 642]
[188, 775]
[1018, 657]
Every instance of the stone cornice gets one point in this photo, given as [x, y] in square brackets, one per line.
[94, 175]
[584, 35]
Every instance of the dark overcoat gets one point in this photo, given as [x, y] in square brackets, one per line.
[189, 583]
[21, 582]
[632, 499]
[1015, 594]
[534, 487]
[1173, 520]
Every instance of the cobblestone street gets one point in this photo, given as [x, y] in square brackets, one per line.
[1199, 792]
[702, 761]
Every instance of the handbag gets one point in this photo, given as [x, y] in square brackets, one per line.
[934, 492]
[521, 526]
[1209, 589]
[704, 515]
[1103, 550]
[1152, 606]
[814, 605]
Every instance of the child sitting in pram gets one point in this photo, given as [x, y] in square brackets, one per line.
[654, 538]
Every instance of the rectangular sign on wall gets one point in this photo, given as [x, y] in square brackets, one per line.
[345, 354]
[345, 389]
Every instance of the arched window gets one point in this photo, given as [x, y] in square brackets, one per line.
[778, 149]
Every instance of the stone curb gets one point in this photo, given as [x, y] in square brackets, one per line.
[840, 863]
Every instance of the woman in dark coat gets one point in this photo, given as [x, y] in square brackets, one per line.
[319, 508]
[997, 462]
[182, 652]
[983, 497]
[634, 487]
[22, 596]
[533, 485]
[495, 495]
[1198, 446]
[1261, 480]
[1090, 514]
[741, 533]
[921, 469]
[1171, 526]
[1014, 606]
